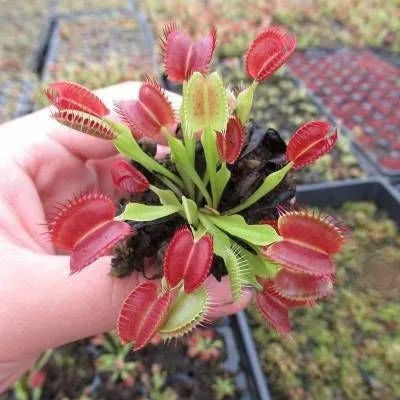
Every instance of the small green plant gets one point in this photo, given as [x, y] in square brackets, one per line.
[114, 360]
[203, 345]
[223, 387]
[30, 386]
[156, 385]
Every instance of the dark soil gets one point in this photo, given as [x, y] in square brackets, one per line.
[71, 373]
[263, 154]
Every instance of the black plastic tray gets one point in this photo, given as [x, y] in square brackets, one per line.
[251, 362]
[234, 363]
[336, 193]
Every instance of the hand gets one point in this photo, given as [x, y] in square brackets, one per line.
[42, 306]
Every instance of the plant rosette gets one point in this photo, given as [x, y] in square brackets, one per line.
[286, 261]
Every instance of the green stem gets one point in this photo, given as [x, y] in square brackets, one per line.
[244, 102]
[170, 185]
[206, 179]
[269, 184]
[181, 170]
[208, 141]
[184, 166]
[127, 145]
[190, 144]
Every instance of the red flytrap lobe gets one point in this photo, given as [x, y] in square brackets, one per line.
[269, 51]
[306, 273]
[309, 142]
[182, 56]
[147, 115]
[127, 178]
[84, 123]
[308, 243]
[142, 314]
[301, 287]
[274, 311]
[67, 95]
[85, 225]
[188, 260]
[230, 142]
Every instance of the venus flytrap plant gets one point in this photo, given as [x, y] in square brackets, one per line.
[287, 261]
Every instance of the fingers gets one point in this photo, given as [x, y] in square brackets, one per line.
[223, 303]
[47, 307]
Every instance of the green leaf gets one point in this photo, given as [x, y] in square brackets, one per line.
[222, 179]
[127, 145]
[199, 233]
[260, 235]
[270, 268]
[167, 197]
[205, 103]
[220, 239]
[269, 184]
[187, 311]
[20, 392]
[238, 274]
[181, 158]
[190, 210]
[142, 212]
[244, 102]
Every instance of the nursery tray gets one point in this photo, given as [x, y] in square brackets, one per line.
[251, 361]
[235, 363]
[74, 8]
[377, 190]
[23, 43]
[16, 96]
[126, 39]
[361, 90]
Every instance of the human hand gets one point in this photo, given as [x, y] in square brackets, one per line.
[43, 306]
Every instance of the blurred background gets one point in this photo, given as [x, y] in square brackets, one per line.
[345, 70]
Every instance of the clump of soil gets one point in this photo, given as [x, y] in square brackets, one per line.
[263, 153]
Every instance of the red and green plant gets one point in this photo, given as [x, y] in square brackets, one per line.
[202, 344]
[288, 264]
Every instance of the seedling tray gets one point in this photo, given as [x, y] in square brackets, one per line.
[77, 42]
[235, 362]
[16, 96]
[24, 38]
[360, 89]
[250, 359]
[377, 190]
[73, 8]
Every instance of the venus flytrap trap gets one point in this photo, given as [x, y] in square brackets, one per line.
[287, 260]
